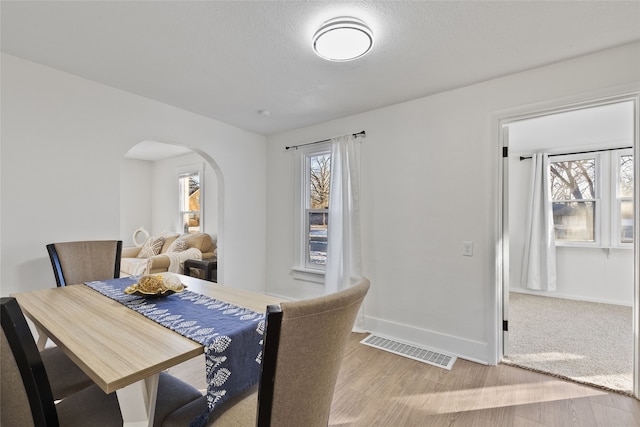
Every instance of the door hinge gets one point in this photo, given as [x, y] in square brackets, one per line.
[505, 325]
[505, 151]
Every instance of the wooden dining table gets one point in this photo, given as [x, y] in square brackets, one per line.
[119, 349]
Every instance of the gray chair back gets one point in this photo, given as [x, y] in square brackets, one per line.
[311, 341]
[303, 348]
[79, 262]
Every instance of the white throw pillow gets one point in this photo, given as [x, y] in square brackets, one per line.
[178, 245]
[151, 247]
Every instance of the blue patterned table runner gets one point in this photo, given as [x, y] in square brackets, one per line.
[231, 335]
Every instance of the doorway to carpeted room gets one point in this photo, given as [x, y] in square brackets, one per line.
[569, 274]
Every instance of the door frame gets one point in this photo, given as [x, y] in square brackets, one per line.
[500, 120]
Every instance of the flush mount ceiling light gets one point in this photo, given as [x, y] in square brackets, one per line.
[342, 39]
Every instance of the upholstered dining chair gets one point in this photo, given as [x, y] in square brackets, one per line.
[303, 349]
[65, 377]
[26, 397]
[73, 263]
[84, 261]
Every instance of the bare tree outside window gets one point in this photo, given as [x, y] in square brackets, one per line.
[320, 181]
[625, 188]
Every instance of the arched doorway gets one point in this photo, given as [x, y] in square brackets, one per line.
[149, 198]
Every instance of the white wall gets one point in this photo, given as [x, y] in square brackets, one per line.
[135, 198]
[430, 176]
[63, 141]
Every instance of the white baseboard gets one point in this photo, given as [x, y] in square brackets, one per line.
[569, 296]
[462, 348]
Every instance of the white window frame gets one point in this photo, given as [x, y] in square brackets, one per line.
[302, 269]
[616, 200]
[598, 210]
[194, 169]
[607, 203]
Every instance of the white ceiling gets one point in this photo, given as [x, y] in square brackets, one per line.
[228, 60]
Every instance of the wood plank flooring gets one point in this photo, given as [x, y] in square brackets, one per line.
[377, 388]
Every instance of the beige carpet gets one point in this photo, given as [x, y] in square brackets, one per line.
[583, 341]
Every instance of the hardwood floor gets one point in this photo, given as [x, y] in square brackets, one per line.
[377, 388]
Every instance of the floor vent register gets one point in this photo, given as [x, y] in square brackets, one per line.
[411, 351]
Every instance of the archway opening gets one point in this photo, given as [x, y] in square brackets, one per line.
[150, 193]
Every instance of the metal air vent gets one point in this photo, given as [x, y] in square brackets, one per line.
[420, 354]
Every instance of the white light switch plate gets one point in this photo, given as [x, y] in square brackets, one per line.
[467, 248]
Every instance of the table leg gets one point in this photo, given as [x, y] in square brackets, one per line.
[138, 402]
[42, 339]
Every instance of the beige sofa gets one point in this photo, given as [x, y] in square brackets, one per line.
[131, 264]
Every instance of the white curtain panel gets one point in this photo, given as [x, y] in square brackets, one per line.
[539, 262]
[344, 263]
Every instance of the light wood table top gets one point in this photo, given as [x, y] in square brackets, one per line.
[113, 344]
[248, 299]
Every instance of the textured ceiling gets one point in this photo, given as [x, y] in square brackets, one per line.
[228, 60]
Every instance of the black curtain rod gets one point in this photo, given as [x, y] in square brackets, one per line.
[324, 140]
[579, 152]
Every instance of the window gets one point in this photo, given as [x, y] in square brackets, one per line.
[574, 194]
[592, 199]
[189, 190]
[318, 176]
[623, 194]
[313, 171]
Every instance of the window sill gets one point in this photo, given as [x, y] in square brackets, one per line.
[609, 248]
[308, 275]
